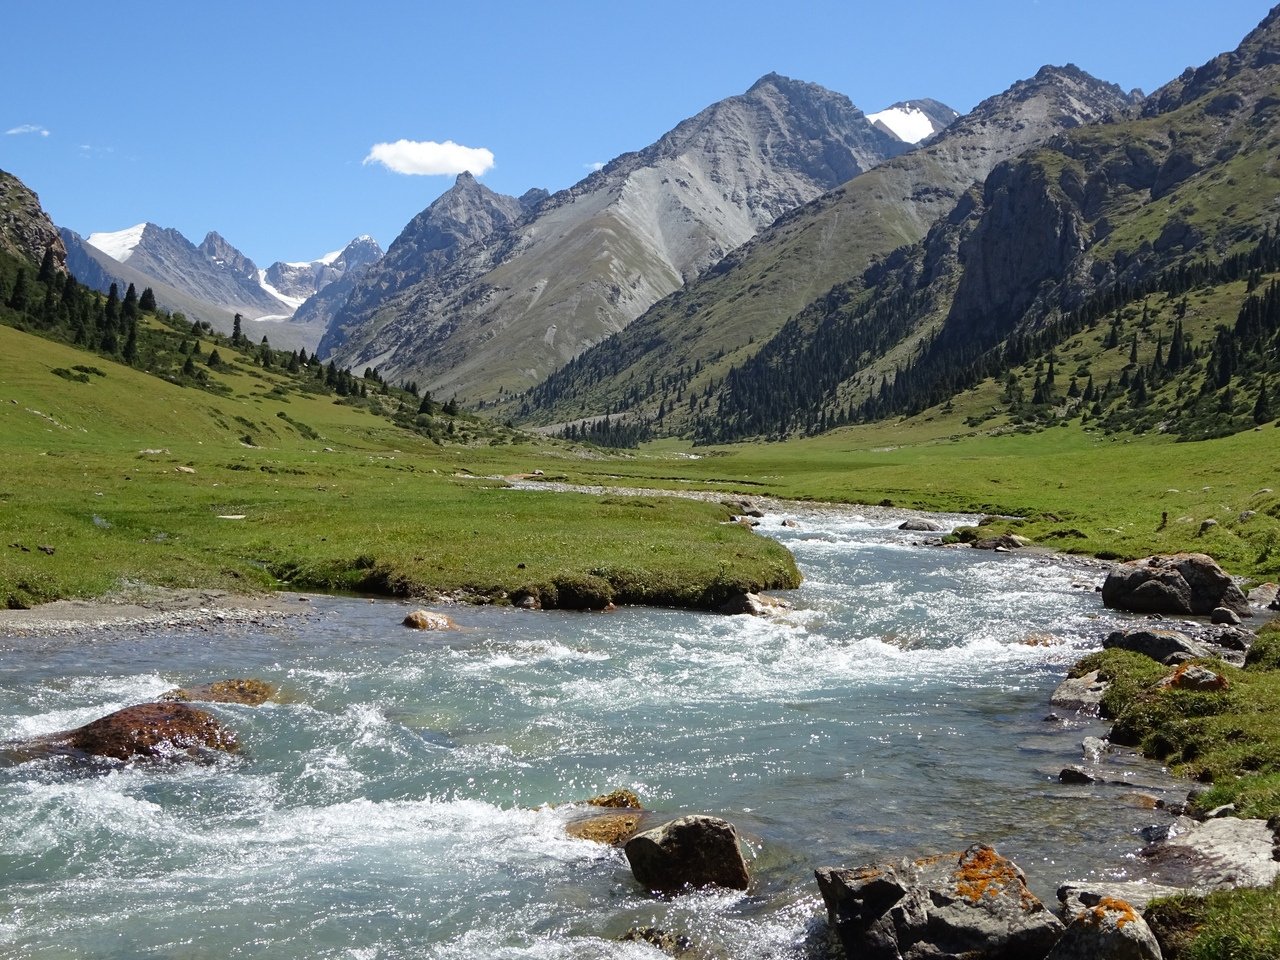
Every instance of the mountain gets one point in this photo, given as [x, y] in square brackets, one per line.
[530, 293]
[914, 121]
[25, 229]
[691, 338]
[294, 282]
[1083, 255]
[215, 272]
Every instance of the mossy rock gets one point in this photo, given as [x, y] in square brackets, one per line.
[243, 690]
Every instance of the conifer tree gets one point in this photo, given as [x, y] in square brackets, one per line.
[18, 296]
[1262, 408]
[237, 335]
[147, 301]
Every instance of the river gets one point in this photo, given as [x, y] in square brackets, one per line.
[400, 801]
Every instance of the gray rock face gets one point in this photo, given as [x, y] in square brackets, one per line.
[1082, 694]
[1218, 854]
[972, 904]
[1179, 583]
[687, 853]
[25, 229]
[1110, 929]
[1080, 895]
[1159, 645]
[584, 262]
[325, 284]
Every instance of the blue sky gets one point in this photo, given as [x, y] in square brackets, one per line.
[255, 119]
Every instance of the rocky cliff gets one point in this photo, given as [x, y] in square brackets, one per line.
[25, 229]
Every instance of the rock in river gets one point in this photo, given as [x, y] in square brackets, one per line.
[692, 851]
[1111, 929]
[1159, 645]
[971, 904]
[170, 731]
[243, 690]
[1179, 583]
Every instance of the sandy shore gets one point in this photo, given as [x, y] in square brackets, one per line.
[143, 606]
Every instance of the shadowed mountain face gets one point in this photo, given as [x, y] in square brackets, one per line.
[1110, 221]
[727, 314]
[483, 293]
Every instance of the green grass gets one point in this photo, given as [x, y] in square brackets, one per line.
[332, 497]
[1227, 925]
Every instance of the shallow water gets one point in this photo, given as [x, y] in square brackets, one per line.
[397, 804]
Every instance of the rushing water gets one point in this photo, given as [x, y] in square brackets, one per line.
[399, 802]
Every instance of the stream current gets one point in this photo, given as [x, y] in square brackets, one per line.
[400, 802]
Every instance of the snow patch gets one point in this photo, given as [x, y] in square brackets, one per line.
[908, 123]
[119, 246]
[292, 302]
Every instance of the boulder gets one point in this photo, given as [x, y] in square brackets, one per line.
[755, 604]
[1217, 855]
[169, 731]
[1224, 617]
[1264, 594]
[1236, 638]
[669, 943]
[1186, 583]
[1190, 676]
[617, 800]
[1081, 694]
[1159, 645]
[1006, 541]
[426, 620]
[694, 851]
[247, 691]
[1110, 929]
[1076, 775]
[974, 904]
[922, 525]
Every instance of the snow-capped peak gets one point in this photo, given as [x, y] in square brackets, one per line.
[908, 123]
[119, 245]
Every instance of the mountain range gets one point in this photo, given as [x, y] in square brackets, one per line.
[214, 281]
[513, 289]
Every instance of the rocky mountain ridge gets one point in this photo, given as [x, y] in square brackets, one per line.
[533, 292]
[723, 317]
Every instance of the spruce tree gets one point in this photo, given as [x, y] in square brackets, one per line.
[1262, 408]
[18, 296]
[147, 301]
[48, 267]
[237, 335]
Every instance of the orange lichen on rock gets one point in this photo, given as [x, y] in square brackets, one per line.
[1123, 912]
[620, 799]
[984, 873]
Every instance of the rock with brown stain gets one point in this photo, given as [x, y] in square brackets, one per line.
[1107, 929]
[426, 620]
[157, 731]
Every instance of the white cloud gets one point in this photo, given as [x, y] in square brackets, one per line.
[597, 165]
[27, 128]
[428, 158]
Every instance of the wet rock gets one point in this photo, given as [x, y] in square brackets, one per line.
[1218, 854]
[1221, 615]
[1264, 594]
[1076, 775]
[426, 620]
[922, 525]
[972, 904]
[1081, 895]
[755, 604]
[1236, 638]
[666, 942]
[1095, 748]
[614, 829]
[170, 731]
[617, 799]
[1081, 694]
[1159, 645]
[694, 851]
[1006, 541]
[1179, 583]
[1111, 929]
[247, 691]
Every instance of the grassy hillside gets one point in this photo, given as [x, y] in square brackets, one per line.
[259, 484]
